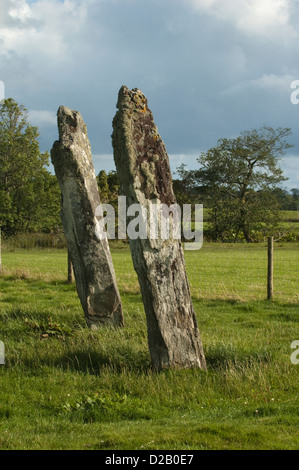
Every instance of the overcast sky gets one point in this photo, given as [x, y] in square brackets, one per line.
[209, 68]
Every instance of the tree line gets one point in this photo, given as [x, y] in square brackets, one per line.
[239, 182]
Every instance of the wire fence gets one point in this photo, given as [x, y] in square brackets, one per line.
[240, 272]
[217, 271]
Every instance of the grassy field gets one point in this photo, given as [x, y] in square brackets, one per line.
[291, 216]
[290, 221]
[64, 387]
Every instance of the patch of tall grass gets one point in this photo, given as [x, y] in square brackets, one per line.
[31, 241]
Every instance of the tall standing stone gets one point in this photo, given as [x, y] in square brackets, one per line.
[143, 168]
[90, 255]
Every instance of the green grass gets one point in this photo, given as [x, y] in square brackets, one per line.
[65, 387]
[291, 216]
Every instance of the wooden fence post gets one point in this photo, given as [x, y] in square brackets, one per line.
[270, 268]
[69, 268]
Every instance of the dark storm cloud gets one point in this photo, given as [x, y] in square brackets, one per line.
[210, 68]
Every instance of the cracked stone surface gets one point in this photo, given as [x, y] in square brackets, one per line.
[90, 256]
[143, 168]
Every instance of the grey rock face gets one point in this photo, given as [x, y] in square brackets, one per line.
[90, 256]
[143, 168]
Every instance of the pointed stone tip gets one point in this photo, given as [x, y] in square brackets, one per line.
[66, 114]
[126, 95]
[68, 121]
[123, 87]
[124, 90]
[64, 110]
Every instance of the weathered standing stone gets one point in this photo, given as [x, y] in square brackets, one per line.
[143, 168]
[90, 255]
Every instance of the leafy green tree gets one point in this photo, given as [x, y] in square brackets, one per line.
[284, 199]
[295, 196]
[113, 182]
[103, 186]
[108, 187]
[47, 217]
[237, 179]
[27, 190]
[108, 184]
[184, 192]
[295, 193]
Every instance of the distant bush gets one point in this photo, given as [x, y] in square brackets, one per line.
[290, 237]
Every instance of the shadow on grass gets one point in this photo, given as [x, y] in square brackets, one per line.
[127, 360]
[139, 362]
[24, 314]
[221, 357]
[92, 362]
[37, 282]
[91, 353]
[259, 306]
